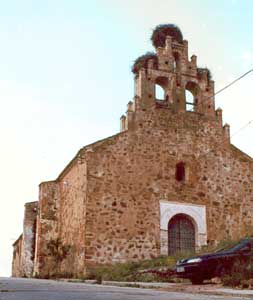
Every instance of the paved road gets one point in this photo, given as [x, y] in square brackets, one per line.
[36, 289]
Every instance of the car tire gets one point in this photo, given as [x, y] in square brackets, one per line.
[196, 280]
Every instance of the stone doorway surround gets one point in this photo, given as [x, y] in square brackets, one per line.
[197, 213]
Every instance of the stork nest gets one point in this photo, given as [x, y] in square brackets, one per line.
[142, 61]
[162, 31]
[201, 71]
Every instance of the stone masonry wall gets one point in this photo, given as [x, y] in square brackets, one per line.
[28, 241]
[47, 229]
[72, 213]
[16, 260]
[130, 173]
[61, 223]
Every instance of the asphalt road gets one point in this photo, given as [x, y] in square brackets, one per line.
[37, 289]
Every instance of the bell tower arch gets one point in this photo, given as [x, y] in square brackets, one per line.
[170, 69]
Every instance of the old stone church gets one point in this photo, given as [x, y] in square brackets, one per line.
[169, 181]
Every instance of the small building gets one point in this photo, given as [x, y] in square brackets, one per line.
[169, 181]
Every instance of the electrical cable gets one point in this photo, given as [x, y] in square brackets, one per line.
[221, 90]
[224, 88]
[238, 131]
[233, 82]
[242, 128]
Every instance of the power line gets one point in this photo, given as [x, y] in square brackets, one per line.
[240, 129]
[224, 88]
[233, 82]
[221, 90]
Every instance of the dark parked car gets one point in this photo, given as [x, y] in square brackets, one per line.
[217, 264]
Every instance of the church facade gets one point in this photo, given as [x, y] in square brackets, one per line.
[169, 181]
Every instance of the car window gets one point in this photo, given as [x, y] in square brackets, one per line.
[247, 247]
[228, 247]
[234, 247]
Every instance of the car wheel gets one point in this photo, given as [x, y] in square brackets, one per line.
[196, 280]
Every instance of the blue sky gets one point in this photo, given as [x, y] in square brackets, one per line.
[65, 80]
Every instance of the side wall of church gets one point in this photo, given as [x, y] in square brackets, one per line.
[231, 209]
[24, 247]
[72, 214]
[28, 241]
[61, 223]
[47, 229]
[129, 174]
[16, 259]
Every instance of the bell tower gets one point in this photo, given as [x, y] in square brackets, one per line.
[170, 69]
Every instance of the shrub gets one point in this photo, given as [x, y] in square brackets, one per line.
[57, 249]
[157, 269]
[233, 280]
[56, 252]
[160, 269]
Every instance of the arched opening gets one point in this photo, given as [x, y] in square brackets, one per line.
[192, 92]
[161, 85]
[181, 234]
[159, 92]
[189, 98]
[180, 171]
[176, 62]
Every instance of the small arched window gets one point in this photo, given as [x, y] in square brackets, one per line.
[192, 93]
[189, 101]
[159, 92]
[176, 62]
[180, 171]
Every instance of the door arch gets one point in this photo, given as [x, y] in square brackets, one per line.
[181, 234]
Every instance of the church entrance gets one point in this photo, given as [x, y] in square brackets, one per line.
[181, 234]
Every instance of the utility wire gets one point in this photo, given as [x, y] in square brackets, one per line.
[239, 130]
[224, 88]
[233, 82]
[221, 90]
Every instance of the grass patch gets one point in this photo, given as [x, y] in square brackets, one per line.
[154, 270]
